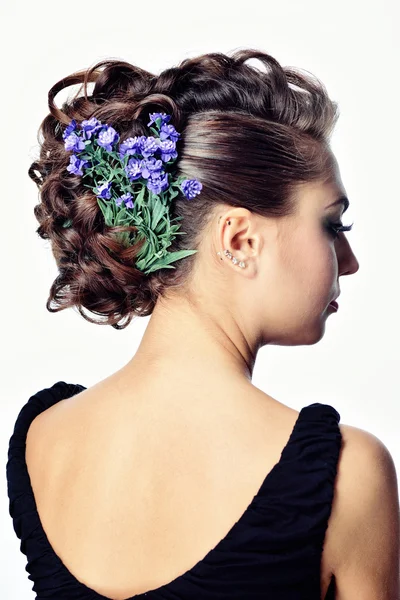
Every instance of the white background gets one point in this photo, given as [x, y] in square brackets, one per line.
[353, 48]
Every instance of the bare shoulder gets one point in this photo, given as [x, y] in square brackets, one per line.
[38, 429]
[364, 539]
[365, 466]
[43, 433]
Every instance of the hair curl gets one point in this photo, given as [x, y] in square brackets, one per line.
[249, 135]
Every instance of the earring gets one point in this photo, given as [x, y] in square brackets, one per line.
[235, 260]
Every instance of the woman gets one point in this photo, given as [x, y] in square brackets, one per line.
[176, 477]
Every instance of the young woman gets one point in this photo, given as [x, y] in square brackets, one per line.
[176, 477]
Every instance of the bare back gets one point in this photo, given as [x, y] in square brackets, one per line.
[133, 489]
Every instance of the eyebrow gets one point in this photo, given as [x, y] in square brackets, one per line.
[341, 200]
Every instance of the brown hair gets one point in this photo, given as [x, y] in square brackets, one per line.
[248, 135]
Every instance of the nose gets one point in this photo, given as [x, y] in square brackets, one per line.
[348, 263]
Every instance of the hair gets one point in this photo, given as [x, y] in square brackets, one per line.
[250, 136]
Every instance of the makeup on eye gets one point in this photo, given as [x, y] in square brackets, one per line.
[335, 228]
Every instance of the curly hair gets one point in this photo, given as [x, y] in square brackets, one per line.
[249, 135]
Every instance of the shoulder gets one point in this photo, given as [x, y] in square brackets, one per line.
[364, 536]
[366, 475]
[50, 418]
[362, 445]
[365, 464]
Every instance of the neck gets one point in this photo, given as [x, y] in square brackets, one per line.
[187, 337]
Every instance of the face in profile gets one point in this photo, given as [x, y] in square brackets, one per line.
[302, 269]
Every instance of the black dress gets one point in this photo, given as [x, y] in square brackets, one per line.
[273, 552]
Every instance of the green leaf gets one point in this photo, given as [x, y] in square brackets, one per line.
[163, 222]
[158, 211]
[103, 207]
[120, 217]
[108, 215]
[173, 193]
[140, 197]
[163, 263]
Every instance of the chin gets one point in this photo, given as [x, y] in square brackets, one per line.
[305, 337]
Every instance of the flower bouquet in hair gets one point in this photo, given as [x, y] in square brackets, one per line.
[133, 183]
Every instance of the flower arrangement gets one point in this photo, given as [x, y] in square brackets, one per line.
[133, 183]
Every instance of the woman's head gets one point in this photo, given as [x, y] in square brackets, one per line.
[257, 140]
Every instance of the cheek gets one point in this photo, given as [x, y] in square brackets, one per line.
[321, 264]
[311, 266]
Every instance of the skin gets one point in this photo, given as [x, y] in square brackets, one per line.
[281, 297]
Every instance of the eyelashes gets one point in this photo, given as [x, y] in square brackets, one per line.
[335, 228]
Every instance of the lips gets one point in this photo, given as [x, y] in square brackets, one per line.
[334, 303]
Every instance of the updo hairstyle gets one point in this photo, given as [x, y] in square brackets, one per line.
[249, 135]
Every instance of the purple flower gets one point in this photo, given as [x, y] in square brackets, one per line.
[74, 142]
[71, 127]
[191, 187]
[168, 150]
[107, 137]
[76, 165]
[127, 198]
[151, 167]
[103, 191]
[134, 168]
[132, 145]
[158, 184]
[90, 126]
[163, 116]
[150, 146]
[169, 132]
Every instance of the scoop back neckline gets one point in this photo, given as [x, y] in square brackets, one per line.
[199, 564]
